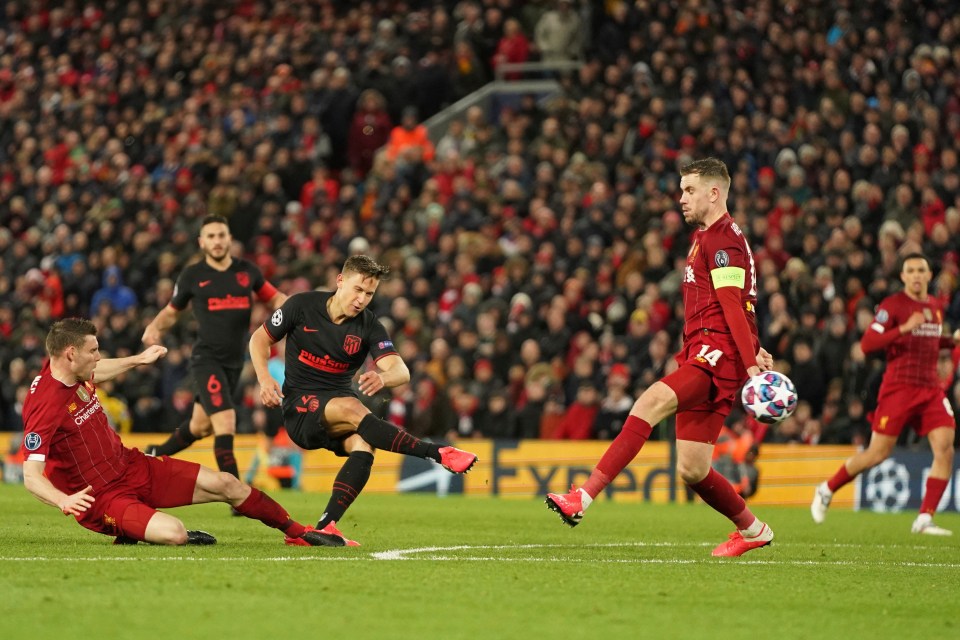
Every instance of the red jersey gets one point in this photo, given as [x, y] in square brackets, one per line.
[911, 358]
[65, 427]
[718, 254]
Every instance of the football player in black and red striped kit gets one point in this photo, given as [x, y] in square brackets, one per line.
[221, 288]
[329, 336]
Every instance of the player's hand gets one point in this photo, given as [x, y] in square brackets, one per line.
[914, 321]
[956, 335]
[753, 371]
[270, 393]
[152, 353]
[74, 505]
[370, 383]
[151, 336]
[764, 360]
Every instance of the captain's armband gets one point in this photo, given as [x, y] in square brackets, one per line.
[728, 277]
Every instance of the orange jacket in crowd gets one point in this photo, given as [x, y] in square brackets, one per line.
[402, 139]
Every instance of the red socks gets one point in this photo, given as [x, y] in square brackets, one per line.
[717, 492]
[840, 478]
[935, 489]
[262, 507]
[619, 454]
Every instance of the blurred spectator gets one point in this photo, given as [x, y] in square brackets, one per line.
[615, 405]
[409, 135]
[513, 48]
[369, 131]
[558, 33]
[578, 421]
[119, 297]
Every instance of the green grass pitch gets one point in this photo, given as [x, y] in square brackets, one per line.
[463, 567]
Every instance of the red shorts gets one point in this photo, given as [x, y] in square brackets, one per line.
[126, 506]
[923, 408]
[707, 384]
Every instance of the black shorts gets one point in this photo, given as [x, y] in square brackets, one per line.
[217, 387]
[304, 422]
[274, 421]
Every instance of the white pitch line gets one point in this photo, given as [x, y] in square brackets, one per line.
[185, 559]
[440, 554]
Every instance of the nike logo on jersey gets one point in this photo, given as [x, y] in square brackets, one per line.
[204, 283]
[309, 330]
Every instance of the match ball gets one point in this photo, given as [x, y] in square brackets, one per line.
[769, 397]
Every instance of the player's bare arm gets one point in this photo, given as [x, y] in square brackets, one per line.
[38, 484]
[270, 391]
[110, 368]
[160, 325]
[393, 372]
[277, 300]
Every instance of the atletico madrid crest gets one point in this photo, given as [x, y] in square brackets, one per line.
[243, 279]
[351, 344]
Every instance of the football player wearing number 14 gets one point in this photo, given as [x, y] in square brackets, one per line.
[720, 351]
[908, 326]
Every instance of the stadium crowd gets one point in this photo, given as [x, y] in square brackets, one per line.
[537, 250]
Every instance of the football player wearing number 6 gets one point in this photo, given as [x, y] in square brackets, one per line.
[720, 351]
[329, 336]
[220, 288]
[908, 327]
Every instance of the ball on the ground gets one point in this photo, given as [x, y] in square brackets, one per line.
[769, 397]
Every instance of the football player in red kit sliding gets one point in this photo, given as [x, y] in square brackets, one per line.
[77, 463]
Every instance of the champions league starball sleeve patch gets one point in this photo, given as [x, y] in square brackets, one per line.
[882, 316]
[721, 258]
[277, 318]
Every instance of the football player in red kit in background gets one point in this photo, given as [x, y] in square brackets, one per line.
[908, 327]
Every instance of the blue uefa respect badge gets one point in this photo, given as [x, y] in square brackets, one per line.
[32, 441]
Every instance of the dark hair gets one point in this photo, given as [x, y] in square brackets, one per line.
[916, 255]
[708, 168]
[214, 218]
[69, 332]
[366, 266]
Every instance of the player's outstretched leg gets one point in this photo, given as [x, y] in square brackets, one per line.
[618, 455]
[569, 506]
[383, 435]
[821, 501]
